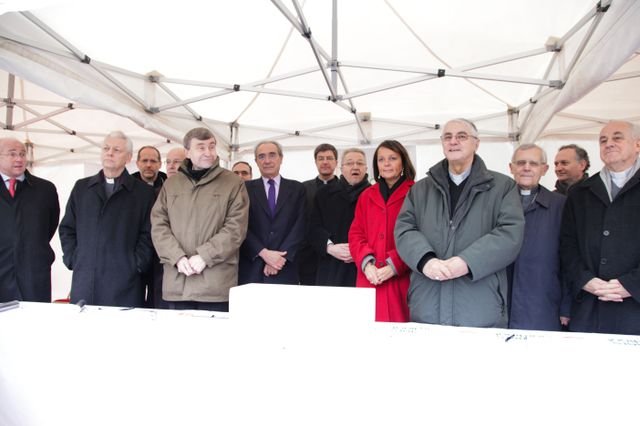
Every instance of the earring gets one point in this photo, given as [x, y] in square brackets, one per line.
[402, 172]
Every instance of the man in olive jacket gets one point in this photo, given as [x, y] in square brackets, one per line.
[198, 224]
[458, 230]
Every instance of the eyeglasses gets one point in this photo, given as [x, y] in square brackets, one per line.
[172, 162]
[15, 155]
[522, 163]
[354, 164]
[460, 137]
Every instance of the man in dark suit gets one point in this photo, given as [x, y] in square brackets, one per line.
[106, 231]
[276, 222]
[29, 210]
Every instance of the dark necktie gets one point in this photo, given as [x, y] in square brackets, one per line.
[271, 199]
[12, 187]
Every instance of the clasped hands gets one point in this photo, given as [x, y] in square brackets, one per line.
[607, 291]
[191, 266]
[441, 270]
[377, 276]
[340, 251]
[274, 261]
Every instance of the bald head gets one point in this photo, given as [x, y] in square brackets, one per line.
[13, 157]
[175, 157]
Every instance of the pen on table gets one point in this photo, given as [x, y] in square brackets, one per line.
[509, 337]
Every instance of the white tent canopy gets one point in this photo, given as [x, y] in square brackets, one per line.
[346, 72]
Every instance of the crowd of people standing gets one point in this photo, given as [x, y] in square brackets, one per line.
[463, 246]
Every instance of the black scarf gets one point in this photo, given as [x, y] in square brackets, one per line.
[385, 191]
[354, 191]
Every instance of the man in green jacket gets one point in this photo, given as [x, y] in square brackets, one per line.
[198, 224]
[458, 230]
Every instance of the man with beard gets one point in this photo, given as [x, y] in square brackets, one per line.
[331, 218]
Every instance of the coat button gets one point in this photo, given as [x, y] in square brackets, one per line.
[605, 233]
[603, 261]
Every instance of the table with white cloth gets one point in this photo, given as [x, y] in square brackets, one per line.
[66, 365]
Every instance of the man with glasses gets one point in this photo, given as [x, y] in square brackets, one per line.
[105, 232]
[331, 217]
[30, 210]
[458, 230]
[198, 224]
[269, 254]
[149, 162]
[326, 159]
[537, 298]
[175, 157]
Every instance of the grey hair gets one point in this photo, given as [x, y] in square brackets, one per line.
[118, 134]
[278, 148]
[350, 150]
[463, 121]
[528, 146]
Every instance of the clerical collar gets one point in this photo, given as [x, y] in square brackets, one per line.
[621, 178]
[458, 179]
[110, 180]
[525, 191]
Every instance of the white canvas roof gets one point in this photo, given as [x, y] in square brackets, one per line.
[306, 72]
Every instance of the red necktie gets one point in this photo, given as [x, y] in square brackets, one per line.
[12, 187]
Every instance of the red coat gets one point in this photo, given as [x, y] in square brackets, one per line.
[371, 233]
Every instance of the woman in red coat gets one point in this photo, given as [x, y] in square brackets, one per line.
[371, 241]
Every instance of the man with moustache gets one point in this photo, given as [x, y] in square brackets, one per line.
[331, 217]
[105, 232]
[198, 224]
[600, 233]
[458, 230]
[537, 300]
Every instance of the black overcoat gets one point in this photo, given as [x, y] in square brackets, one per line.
[331, 218]
[107, 241]
[28, 223]
[600, 238]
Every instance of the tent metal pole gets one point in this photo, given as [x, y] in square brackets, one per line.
[82, 57]
[581, 23]
[343, 81]
[263, 82]
[315, 48]
[334, 46]
[285, 11]
[177, 98]
[245, 89]
[41, 117]
[503, 59]
[382, 88]
[60, 126]
[582, 46]
[11, 87]
[429, 126]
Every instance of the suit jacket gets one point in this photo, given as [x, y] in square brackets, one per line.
[29, 221]
[284, 232]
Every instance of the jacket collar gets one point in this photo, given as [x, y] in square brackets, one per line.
[125, 179]
[479, 174]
